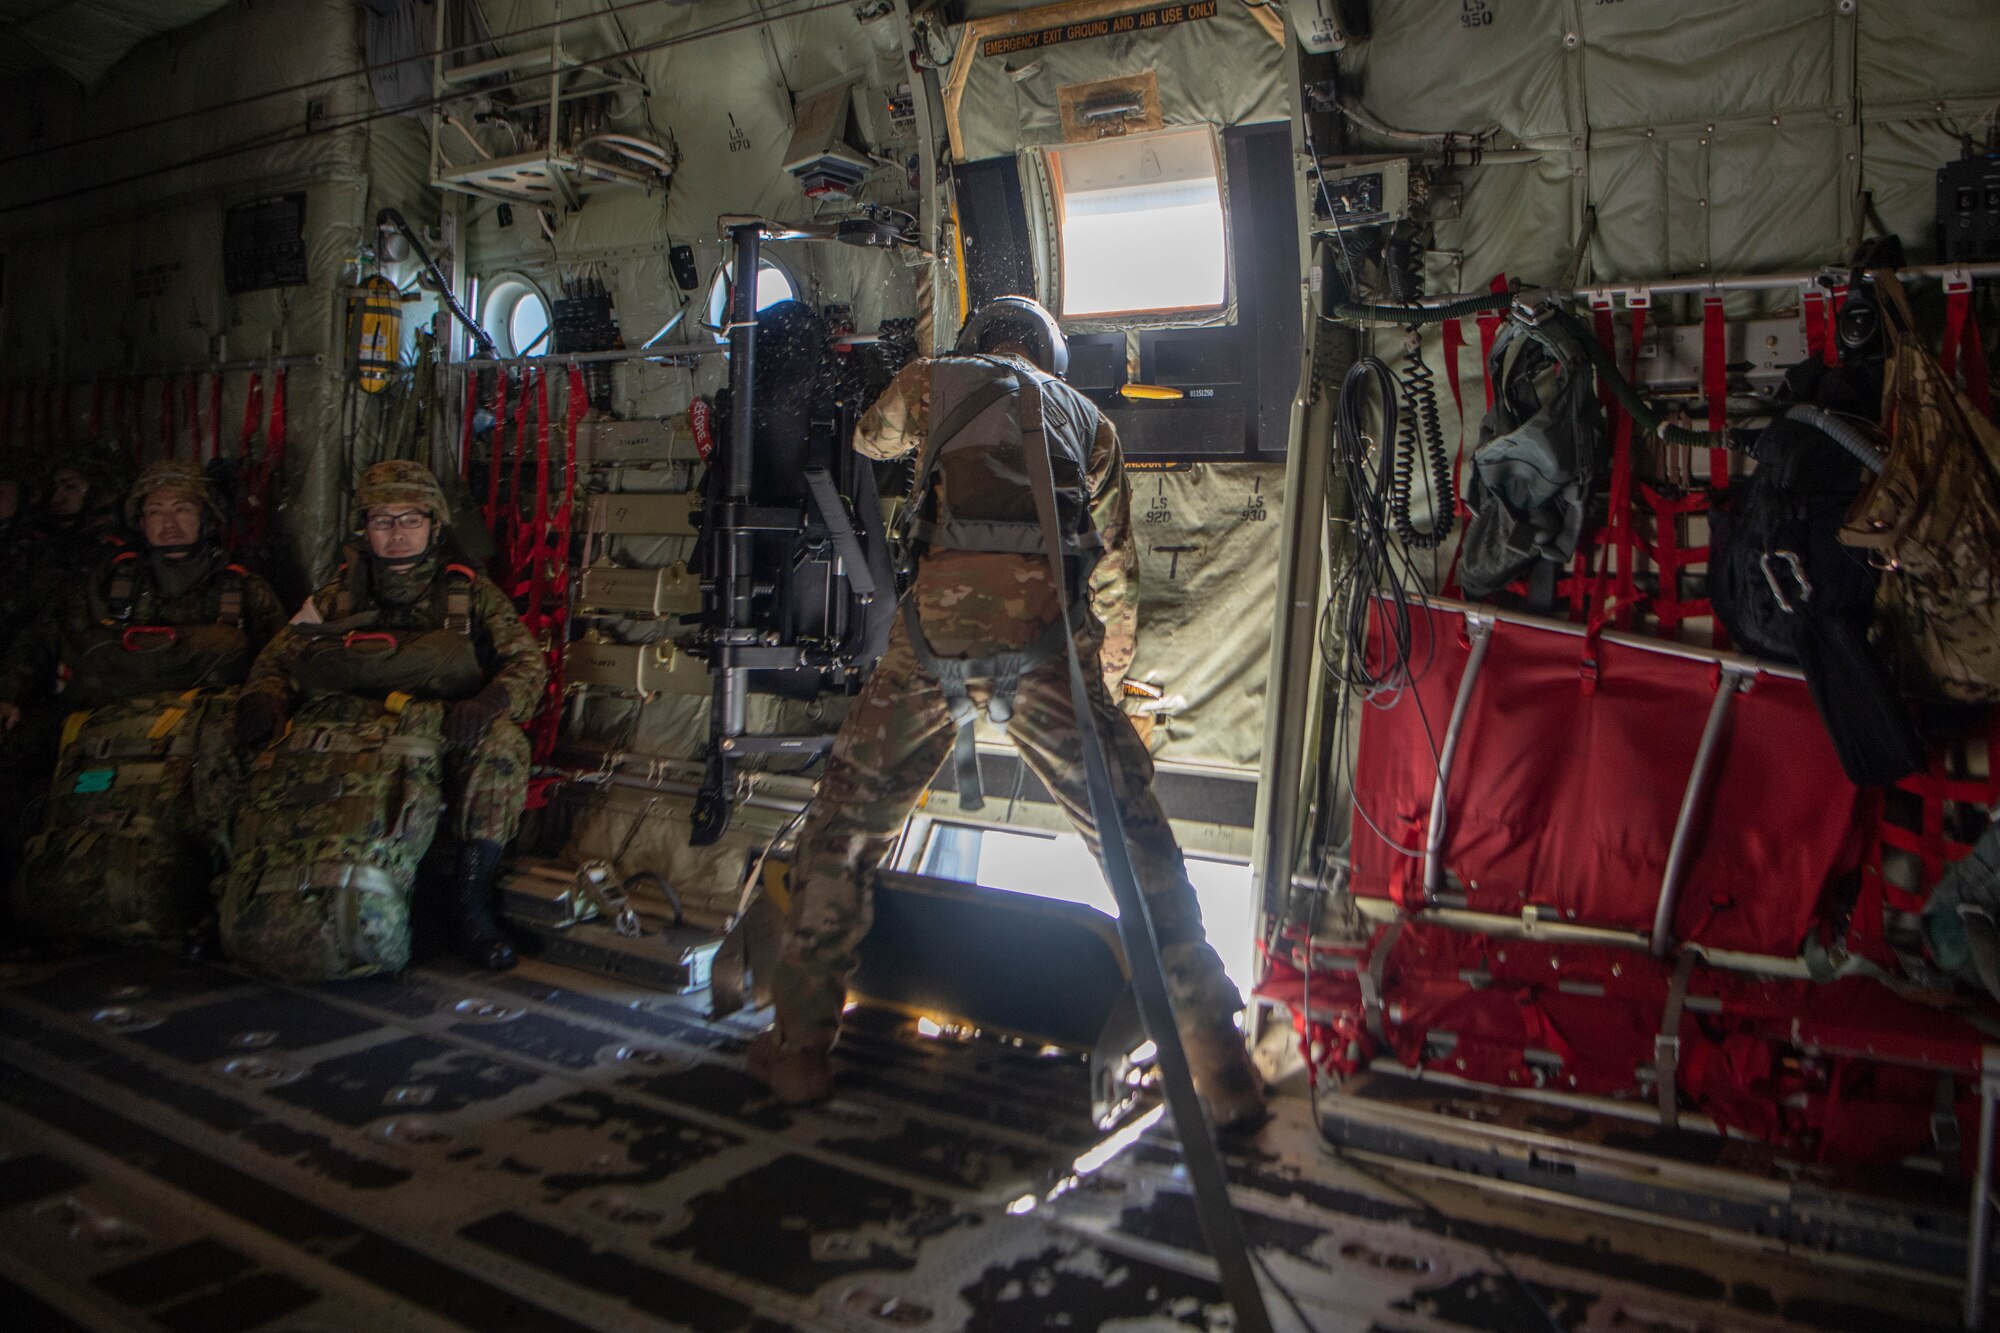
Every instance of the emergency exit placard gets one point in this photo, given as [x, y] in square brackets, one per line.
[1164, 16]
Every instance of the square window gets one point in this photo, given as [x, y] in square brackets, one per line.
[1141, 224]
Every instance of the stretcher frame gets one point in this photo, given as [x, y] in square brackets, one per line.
[1737, 672]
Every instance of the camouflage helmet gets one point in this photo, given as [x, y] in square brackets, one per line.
[398, 482]
[168, 474]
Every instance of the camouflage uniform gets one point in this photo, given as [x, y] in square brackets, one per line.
[972, 604]
[152, 709]
[489, 784]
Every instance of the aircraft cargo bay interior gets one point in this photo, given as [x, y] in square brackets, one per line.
[754, 665]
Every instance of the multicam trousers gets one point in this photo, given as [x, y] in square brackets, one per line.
[894, 739]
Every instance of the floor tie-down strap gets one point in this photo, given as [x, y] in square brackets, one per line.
[1220, 1226]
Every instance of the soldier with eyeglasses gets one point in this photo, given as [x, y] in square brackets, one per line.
[484, 662]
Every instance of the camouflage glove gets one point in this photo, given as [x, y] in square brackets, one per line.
[465, 725]
[258, 719]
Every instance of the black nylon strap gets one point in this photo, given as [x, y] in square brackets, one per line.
[1220, 1226]
[833, 513]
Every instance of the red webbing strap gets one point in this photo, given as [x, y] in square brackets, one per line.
[465, 426]
[510, 512]
[530, 536]
[62, 416]
[1489, 322]
[1961, 330]
[166, 422]
[191, 412]
[215, 416]
[44, 411]
[1818, 334]
[1670, 557]
[1454, 342]
[1715, 383]
[6, 418]
[1621, 488]
[554, 557]
[1835, 300]
[274, 438]
[93, 424]
[498, 455]
[1929, 841]
[253, 410]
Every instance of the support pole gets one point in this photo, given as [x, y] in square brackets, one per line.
[733, 543]
[1480, 628]
[1697, 785]
[1979, 1231]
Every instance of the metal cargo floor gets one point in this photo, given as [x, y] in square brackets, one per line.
[184, 1147]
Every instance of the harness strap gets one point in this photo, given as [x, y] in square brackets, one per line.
[323, 875]
[1667, 1043]
[833, 512]
[345, 740]
[1002, 670]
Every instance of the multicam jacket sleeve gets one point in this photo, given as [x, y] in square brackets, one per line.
[271, 673]
[517, 663]
[1114, 584]
[898, 422]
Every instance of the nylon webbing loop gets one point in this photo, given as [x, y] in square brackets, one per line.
[1715, 383]
[1667, 1043]
[1220, 1226]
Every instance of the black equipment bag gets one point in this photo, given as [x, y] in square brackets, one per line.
[1787, 589]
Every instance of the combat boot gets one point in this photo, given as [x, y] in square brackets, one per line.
[796, 1076]
[1231, 1089]
[480, 938]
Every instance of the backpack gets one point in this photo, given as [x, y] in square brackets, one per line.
[334, 821]
[1788, 590]
[135, 818]
[1931, 519]
[972, 489]
[1536, 467]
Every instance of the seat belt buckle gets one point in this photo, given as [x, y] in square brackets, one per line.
[1667, 1051]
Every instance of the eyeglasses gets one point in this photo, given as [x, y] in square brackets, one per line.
[390, 522]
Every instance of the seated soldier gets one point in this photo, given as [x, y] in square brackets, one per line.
[78, 526]
[170, 618]
[401, 581]
[19, 539]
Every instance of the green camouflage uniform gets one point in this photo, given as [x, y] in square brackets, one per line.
[146, 777]
[489, 786]
[972, 604]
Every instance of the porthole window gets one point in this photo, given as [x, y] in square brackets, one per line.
[516, 317]
[773, 285]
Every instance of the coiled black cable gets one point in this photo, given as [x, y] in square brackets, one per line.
[1419, 428]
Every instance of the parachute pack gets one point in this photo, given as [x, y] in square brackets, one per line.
[336, 818]
[136, 812]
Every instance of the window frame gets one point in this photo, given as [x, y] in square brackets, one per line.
[722, 281]
[1047, 175]
[507, 290]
